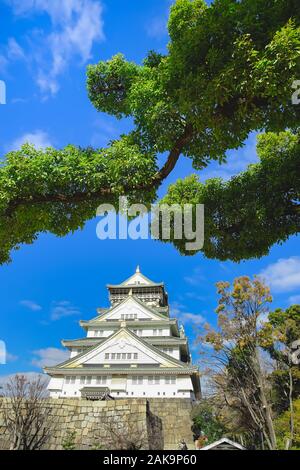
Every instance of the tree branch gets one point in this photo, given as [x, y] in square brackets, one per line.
[175, 154]
[158, 178]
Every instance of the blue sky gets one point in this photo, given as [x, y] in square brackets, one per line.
[44, 49]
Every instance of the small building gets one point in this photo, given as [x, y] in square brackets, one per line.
[224, 444]
[133, 349]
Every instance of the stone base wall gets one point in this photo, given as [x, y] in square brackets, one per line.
[161, 423]
[177, 423]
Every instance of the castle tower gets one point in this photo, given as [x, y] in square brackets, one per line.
[131, 350]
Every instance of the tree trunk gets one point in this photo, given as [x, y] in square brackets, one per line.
[272, 441]
[292, 424]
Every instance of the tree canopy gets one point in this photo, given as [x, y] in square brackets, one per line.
[253, 378]
[228, 72]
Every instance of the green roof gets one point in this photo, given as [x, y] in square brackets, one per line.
[149, 346]
[163, 340]
[123, 371]
[134, 286]
[106, 324]
[148, 281]
[142, 304]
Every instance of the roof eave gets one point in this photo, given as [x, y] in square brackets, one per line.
[131, 371]
[133, 286]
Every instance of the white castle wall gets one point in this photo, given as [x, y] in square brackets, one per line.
[140, 331]
[182, 388]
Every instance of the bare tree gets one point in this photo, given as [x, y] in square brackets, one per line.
[27, 418]
[239, 374]
[120, 435]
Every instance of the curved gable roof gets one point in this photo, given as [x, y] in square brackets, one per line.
[75, 361]
[107, 313]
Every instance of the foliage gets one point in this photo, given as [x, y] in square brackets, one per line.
[207, 423]
[229, 71]
[282, 328]
[238, 372]
[69, 442]
[282, 425]
[58, 190]
[247, 214]
[277, 337]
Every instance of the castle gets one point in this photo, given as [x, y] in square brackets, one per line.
[133, 349]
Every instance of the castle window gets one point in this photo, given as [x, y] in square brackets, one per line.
[135, 356]
[82, 380]
[129, 356]
[129, 316]
[107, 356]
[138, 332]
[101, 380]
[170, 380]
[137, 380]
[153, 380]
[157, 332]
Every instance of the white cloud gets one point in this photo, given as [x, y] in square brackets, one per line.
[75, 26]
[284, 275]
[63, 309]
[3, 63]
[238, 161]
[5, 356]
[14, 50]
[105, 131]
[195, 278]
[191, 319]
[294, 299]
[35, 307]
[10, 52]
[157, 27]
[11, 357]
[49, 357]
[187, 318]
[195, 296]
[38, 138]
